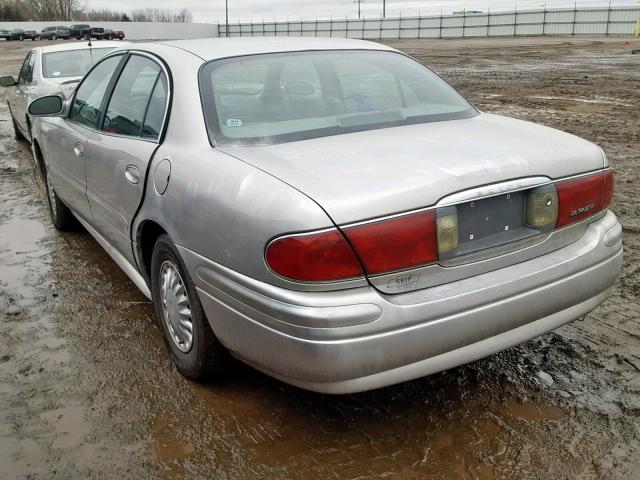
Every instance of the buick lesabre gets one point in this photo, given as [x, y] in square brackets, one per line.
[328, 211]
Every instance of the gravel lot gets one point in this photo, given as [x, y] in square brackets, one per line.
[87, 389]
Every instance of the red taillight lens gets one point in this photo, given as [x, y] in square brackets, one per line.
[396, 243]
[313, 257]
[582, 197]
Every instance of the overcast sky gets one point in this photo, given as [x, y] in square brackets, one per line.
[213, 10]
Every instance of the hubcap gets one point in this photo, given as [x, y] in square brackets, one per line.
[176, 308]
[52, 197]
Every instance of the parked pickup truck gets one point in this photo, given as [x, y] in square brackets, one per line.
[98, 33]
[80, 31]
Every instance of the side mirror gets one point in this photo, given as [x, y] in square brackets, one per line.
[49, 106]
[8, 81]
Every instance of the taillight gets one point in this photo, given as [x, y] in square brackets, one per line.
[582, 197]
[416, 239]
[313, 257]
[395, 243]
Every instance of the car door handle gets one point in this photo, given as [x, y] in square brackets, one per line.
[78, 150]
[132, 173]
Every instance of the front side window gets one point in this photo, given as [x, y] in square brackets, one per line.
[86, 104]
[273, 98]
[71, 63]
[135, 98]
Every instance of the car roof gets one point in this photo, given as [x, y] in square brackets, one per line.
[214, 48]
[80, 46]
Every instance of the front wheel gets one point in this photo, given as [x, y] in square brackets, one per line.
[61, 216]
[53, 37]
[196, 352]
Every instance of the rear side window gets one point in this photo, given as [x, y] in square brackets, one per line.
[86, 104]
[136, 107]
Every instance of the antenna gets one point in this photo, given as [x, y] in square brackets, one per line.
[358, 2]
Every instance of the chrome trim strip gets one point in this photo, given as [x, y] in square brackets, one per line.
[493, 190]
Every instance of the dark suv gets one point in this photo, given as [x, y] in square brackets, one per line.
[80, 31]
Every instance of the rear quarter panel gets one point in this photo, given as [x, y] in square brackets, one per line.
[216, 205]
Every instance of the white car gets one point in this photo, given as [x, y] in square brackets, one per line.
[50, 70]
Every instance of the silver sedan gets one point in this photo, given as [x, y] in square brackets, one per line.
[54, 69]
[328, 211]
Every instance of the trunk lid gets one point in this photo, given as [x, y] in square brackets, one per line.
[375, 173]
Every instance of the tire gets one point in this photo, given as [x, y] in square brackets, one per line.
[61, 216]
[54, 37]
[203, 356]
[21, 38]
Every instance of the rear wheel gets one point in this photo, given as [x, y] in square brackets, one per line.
[195, 350]
[61, 216]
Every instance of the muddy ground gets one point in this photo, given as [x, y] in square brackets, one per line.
[87, 389]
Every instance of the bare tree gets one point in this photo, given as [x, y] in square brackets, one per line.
[54, 9]
[103, 15]
[15, 11]
[160, 15]
[184, 16]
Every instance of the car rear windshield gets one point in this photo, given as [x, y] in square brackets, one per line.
[275, 98]
[71, 63]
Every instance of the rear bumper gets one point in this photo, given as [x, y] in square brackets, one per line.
[359, 339]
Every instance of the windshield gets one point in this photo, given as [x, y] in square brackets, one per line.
[274, 98]
[71, 63]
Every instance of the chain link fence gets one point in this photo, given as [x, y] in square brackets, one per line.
[571, 21]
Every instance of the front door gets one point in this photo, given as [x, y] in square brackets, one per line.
[117, 156]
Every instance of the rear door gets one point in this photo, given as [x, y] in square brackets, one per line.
[117, 157]
[67, 138]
